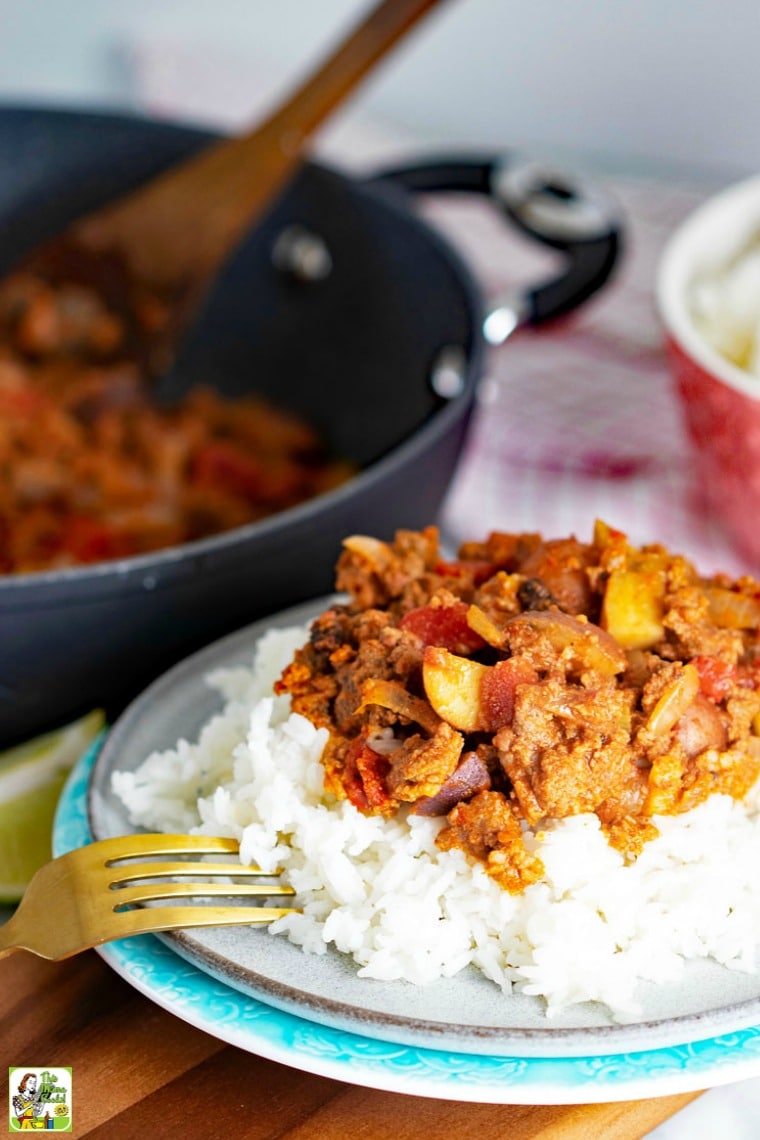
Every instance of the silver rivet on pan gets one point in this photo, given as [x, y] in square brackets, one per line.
[301, 253]
[447, 376]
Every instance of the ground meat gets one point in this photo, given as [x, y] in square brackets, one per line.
[501, 597]
[502, 551]
[743, 712]
[487, 828]
[92, 467]
[559, 568]
[691, 631]
[660, 677]
[404, 652]
[374, 573]
[569, 749]
[369, 662]
[312, 693]
[526, 681]
[477, 825]
[421, 767]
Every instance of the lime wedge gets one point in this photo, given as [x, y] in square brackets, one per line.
[31, 778]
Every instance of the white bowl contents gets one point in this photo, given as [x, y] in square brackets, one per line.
[725, 306]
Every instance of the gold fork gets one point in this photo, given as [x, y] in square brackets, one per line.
[94, 894]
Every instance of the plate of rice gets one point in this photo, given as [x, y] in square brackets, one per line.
[516, 793]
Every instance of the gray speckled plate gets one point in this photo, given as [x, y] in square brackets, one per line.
[466, 1013]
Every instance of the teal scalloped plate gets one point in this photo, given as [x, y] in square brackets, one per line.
[152, 968]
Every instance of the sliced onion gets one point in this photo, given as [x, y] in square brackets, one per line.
[392, 695]
[470, 776]
[377, 553]
[730, 610]
[590, 646]
[479, 621]
[674, 702]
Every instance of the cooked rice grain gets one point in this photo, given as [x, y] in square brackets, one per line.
[589, 931]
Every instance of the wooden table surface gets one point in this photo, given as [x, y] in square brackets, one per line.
[140, 1071]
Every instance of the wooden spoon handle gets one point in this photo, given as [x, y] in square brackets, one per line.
[182, 225]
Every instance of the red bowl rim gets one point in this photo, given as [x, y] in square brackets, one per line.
[706, 239]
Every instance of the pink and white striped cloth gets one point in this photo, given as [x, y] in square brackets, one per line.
[579, 420]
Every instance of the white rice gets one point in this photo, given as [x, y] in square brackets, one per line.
[725, 307]
[380, 891]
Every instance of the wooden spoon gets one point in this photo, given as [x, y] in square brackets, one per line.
[174, 233]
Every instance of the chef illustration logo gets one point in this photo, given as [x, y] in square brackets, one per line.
[39, 1099]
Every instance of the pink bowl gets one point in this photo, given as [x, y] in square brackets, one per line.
[721, 402]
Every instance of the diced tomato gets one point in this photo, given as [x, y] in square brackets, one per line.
[88, 540]
[21, 398]
[474, 570]
[227, 468]
[498, 688]
[443, 626]
[716, 678]
[364, 776]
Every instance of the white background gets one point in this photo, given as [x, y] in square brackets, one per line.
[643, 83]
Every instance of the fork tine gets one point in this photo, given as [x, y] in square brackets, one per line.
[92, 906]
[129, 896]
[153, 920]
[141, 846]
[131, 872]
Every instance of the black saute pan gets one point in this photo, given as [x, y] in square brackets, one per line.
[344, 307]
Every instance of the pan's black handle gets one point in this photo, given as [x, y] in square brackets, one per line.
[556, 208]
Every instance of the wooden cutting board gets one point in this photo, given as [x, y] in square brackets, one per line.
[138, 1070]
